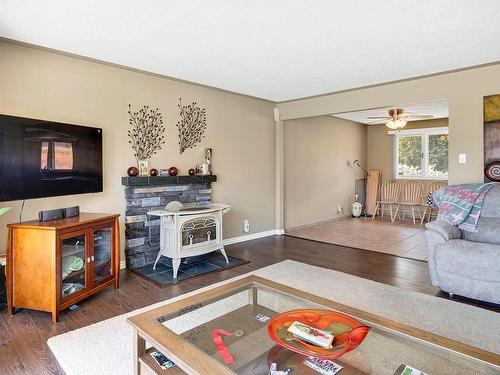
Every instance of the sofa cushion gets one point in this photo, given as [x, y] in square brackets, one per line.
[473, 260]
[488, 231]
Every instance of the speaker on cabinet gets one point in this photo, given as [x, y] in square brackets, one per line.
[47, 215]
[71, 211]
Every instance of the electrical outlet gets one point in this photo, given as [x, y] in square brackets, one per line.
[340, 209]
[462, 158]
[246, 225]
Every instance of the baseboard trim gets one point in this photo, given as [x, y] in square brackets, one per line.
[253, 236]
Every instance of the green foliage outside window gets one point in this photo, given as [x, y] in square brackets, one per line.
[438, 153]
[410, 155]
[410, 151]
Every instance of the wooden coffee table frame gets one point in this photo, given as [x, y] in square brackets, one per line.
[191, 360]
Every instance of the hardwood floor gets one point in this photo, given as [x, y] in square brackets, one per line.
[23, 337]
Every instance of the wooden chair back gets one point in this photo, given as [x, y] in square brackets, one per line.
[390, 191]
[432, 188]
[436, 185]
[412, 192]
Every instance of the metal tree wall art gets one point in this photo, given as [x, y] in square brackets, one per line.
[191, 126]
[146, 134]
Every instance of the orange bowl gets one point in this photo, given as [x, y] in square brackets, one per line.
[348, 332]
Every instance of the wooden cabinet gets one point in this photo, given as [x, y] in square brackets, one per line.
[54, 264]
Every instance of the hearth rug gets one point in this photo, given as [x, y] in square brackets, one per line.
[190, 267]
[106, 347]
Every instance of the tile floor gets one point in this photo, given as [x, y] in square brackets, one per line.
[401, 238]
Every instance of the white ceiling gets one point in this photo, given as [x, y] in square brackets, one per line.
[278, 50]
[436, 108]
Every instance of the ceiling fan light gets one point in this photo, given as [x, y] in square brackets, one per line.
[396, 124]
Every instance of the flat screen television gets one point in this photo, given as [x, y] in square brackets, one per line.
[40, 158]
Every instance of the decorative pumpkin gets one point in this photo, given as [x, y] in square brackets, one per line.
[173, 171]
[133, 171]
[153, 172]
[192, 172]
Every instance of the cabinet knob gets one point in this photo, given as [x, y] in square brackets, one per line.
[92, 258]
[88, 260]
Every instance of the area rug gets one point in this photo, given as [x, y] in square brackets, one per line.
[106, 347]
[162, 276]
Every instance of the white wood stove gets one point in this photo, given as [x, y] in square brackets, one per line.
[190, 232]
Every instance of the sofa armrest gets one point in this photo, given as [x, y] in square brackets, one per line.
[445, 229]
[439, 232]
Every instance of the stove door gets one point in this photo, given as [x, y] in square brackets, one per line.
[199, 231]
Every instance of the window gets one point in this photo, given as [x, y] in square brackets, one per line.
[63, 155]
[421, 153]
[56, 156]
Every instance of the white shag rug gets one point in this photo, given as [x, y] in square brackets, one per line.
[106, 347]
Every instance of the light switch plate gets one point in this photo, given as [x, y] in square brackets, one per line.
[462, 158]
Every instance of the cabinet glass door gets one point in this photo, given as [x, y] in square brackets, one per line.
[72, 265]
[103, 242]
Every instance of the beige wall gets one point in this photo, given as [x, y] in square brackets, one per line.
[379, 145]
[464, 91]
[318, 175]
[241, 131]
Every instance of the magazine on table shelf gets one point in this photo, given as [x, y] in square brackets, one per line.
[162, 361]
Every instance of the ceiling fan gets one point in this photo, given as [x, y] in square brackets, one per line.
[398, 118]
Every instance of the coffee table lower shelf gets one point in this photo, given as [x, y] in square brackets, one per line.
[148, 361]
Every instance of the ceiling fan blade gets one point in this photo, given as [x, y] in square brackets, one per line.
[421, 116]
[375, 122]
[381, 117]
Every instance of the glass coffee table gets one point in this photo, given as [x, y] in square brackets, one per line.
[182, 331]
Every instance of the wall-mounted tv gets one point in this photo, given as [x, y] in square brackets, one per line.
[40, 158]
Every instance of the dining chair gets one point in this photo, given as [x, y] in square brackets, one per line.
[411, 198]
[429, 207]
[389, 195]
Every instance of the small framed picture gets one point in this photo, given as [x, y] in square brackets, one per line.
[143, 168]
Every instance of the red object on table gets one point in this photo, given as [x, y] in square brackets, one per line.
[192, 172]
[220, 346]
[133, 171]
[172, 171]
[153, 172]
[352, 332]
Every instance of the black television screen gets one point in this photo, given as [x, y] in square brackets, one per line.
[41, 158]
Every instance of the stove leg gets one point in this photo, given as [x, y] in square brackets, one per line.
[157, 259]
[224, 253]
[176, 262]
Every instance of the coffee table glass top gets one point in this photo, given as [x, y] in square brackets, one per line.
[243, 311]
